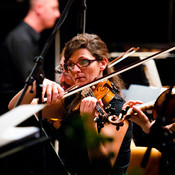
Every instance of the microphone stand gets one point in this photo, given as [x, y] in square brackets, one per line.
[37, 73]
[83, 15]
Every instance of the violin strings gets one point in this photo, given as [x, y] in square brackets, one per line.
[98, 107]
[88, 92]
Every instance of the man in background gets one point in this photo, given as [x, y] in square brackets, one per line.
[21, 46]
[65, 80]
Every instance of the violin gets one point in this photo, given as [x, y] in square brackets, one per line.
[168, 110]
[105, 78]
[105, 91]
[155, 106]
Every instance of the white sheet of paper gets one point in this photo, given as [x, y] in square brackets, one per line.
[8, 122]
[143, 93]
[17, 133]
[18, 115]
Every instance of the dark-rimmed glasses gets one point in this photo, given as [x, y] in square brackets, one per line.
[59, 70]
[80, 63]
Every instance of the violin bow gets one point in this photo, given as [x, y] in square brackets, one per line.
[116, 72]
[123, 56]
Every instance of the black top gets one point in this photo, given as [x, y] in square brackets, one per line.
[72, 145]
[19, 50]
[17, 60]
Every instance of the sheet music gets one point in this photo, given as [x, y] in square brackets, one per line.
[144, 93]
[18, 115]
[8, 121]
[18, 133]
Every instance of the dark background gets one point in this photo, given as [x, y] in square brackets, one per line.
[148, 24]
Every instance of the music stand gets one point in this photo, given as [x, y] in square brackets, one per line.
[10, 135]
[19, 145]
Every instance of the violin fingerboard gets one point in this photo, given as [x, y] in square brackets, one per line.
[87, 92]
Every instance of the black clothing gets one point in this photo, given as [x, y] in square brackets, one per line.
[17, 60]
[72, 145]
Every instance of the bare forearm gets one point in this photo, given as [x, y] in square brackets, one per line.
[27, 99]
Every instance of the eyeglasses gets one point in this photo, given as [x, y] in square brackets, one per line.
[59, 70]
[80, 63]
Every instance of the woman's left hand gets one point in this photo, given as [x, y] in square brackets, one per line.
[87, 106]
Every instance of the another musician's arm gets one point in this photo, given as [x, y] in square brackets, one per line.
[50, 88]
[141, 119]
[27, 99]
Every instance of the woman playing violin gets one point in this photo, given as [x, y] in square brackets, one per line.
[82, 148]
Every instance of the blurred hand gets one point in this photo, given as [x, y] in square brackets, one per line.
[170, 127]
[131, 103]
[141, 119]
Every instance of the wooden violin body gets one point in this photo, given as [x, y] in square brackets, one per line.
[167, 111]
[104, 91]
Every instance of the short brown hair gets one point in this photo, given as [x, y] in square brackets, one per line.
[94, 44]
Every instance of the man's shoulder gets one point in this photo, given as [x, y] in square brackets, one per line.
[19, 28]
[23, 32]
[18, 33]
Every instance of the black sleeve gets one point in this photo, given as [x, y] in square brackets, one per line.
[23, 61]
[116, 104]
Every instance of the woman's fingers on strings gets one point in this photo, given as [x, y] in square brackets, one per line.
[100, 102]
[88, 104]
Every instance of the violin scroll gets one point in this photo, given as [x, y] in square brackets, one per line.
[127, 113]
